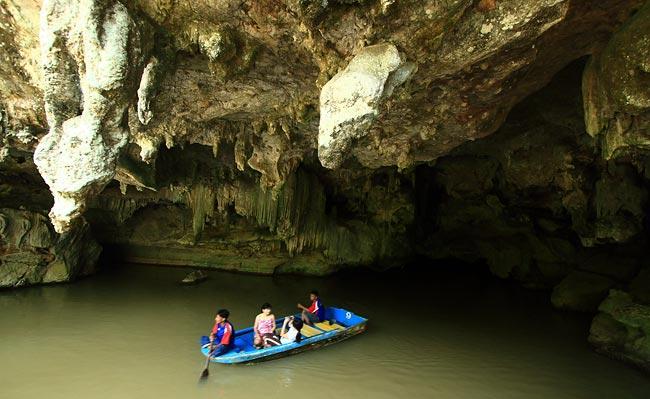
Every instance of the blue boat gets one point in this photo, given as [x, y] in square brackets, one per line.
[339, 325]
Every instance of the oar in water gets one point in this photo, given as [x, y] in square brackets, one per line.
[205, 373]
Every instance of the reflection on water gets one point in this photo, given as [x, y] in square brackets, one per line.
[133, 333]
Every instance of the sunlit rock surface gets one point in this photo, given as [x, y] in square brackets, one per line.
[91, 54]
[350, 101]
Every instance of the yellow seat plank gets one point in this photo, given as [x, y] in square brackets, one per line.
[309, 331]
[329, 327]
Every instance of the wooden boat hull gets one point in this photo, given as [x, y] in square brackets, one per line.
[346, 325]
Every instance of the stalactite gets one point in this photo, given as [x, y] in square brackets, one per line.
[201, 200]
[120, 206]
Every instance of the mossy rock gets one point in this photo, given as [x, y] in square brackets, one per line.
[622, 329]
[57, 272]
[607, 333]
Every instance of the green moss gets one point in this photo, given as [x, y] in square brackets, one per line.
[621, 306]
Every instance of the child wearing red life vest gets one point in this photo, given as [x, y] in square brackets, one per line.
[223, 334]
[314, 313]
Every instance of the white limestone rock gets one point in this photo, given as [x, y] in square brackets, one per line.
[92, 57]
[146, 91]
[350, 101]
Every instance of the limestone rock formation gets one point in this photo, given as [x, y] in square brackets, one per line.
[31, 252]
[240, 66]
[195, 277]
[239, 225]
[350, 101]
[617, 97]
[92, 52]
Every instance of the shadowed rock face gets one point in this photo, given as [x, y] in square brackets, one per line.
[617, 98]
[536, 201]
[308, 136]
[31, 252]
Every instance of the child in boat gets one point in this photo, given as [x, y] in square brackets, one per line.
[286, 336]
[264, 325]
[314, 313]
[223, 334]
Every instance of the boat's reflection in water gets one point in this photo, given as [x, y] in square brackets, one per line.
[286, 377]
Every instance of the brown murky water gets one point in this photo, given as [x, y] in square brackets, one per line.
[132, 332]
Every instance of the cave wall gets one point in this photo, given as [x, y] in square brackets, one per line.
[395, 83]
[208, 213]
[536, 200]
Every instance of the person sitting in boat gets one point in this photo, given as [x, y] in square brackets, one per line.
[223, 333]
[286, 336]
[264, 325]
[314, 313]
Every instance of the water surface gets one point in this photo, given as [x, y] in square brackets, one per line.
[132, 332]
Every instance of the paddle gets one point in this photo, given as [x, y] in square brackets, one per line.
[205, 373]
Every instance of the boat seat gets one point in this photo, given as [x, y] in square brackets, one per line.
[309, 331]
[325, 326]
